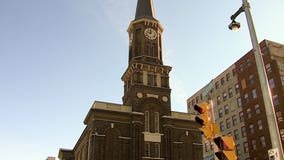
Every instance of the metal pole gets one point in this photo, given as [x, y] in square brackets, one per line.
[268, 104]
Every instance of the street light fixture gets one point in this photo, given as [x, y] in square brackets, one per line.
[268, 104]
[234, 26]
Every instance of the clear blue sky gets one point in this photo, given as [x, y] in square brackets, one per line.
[58, 56]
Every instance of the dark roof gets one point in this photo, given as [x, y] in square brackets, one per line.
[145, 9]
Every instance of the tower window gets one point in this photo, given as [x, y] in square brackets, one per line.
[147, 121]
[165, 82]
[147, 149]
[157, 150]
[152, 80]
[138, 77]
[150, 49]
[137, 41]
[156, 118]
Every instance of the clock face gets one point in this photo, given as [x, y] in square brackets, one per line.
[150, 33]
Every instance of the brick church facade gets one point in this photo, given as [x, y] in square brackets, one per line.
[144, 127]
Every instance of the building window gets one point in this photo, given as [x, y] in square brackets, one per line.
[268, 68]
[249, 113]
[248, 62]
[251, 79]
[217, 85]
[196, 99]
[241, 67]
[236, 134]
[152, 80]
[279, 116]
[235, 120]
[147, 121]
[271, 83]
[251, 128]
[234, 72]
[254, 94]
[228, 123]
[224, 96]
[238, 150]
[282, 80]
[150, 49]
[241, 116]
[275, 100]
[156, 118]
[228, 76]
[230, 93]
[207, 147]
[259, 123]
[222, 127]
[157, 150]
[239, 101]
[246, 147]
[218, 100]
[244, 133]
[246, 97]
[222, 81]
[227, 109]
[257, 109]
[165, 81]
[264, 50]
[282, 134]
[237, 88]
[220, 113]
[147, 149]
[253, 144]
[262, 140]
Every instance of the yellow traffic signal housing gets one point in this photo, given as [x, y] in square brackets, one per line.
[202, 108]
[226, 146]
[204, 119]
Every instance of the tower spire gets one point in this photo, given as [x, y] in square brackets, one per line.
[145, 9]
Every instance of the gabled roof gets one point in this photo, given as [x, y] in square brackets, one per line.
[145, 9]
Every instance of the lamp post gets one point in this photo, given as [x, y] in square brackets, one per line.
[269, 108]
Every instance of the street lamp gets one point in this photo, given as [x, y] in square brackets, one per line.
[269, 108]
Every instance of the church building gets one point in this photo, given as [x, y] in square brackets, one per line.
[143, 127]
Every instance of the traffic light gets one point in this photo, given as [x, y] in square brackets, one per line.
[226, 148]
[204, 119]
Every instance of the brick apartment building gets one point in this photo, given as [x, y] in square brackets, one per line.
[238, 103]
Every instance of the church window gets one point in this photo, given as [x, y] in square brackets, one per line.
[147, 49]
[157, 150]
[138, 78]
[150, 49]
[165, 81]
[153, 48]
[152, 80]
[137, 41]
[156, 119]
[147, 121]
[147, 149]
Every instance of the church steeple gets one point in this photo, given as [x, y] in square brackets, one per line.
[146, 76]
[145, 9]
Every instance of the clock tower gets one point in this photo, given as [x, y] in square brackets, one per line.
[143, 127]
[146, 78]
